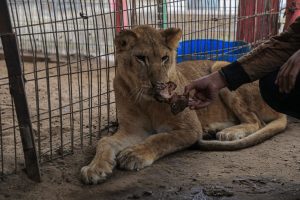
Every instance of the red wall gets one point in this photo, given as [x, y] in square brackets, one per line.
[257, 19]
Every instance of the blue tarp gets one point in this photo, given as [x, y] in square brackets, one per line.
[211, 50]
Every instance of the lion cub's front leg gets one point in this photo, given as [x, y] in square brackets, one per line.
[156, 146]
[104, 160]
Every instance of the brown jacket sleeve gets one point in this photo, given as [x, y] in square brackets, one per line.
[264, 59]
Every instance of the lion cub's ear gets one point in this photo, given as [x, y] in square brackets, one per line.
[172, 37]
[125, 40]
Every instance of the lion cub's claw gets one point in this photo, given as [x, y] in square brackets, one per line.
[93, 175]
[133, 159]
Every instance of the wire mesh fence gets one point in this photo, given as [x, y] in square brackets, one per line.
[67, 52]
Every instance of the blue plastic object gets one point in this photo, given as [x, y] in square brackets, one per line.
[211, 50]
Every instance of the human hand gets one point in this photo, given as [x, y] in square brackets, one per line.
[206, 90]
[288, 73]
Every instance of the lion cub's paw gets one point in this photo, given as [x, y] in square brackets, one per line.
[94, 174]
[230, 135]
[134, 158]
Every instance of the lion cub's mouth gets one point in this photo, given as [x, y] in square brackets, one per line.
[165, 93]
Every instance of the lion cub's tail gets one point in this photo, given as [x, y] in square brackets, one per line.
[270, 130]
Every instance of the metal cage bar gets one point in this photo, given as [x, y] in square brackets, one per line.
[17, 90]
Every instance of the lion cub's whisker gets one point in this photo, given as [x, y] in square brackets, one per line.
[133, 92]
[136, 97]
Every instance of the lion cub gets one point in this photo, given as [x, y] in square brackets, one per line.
[148, 130]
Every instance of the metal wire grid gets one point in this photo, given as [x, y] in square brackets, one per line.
[215, 19]
[67, 56]
[67, 50]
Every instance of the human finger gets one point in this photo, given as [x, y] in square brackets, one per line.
[201, 96]
[285, 80]
[293, 77]
[287, 76]
[193, 102]
[188, 88]
[280, 73]
[201, 105]
[196, 104]
[281, 79]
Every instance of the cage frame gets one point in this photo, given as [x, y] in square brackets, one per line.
[17, 91]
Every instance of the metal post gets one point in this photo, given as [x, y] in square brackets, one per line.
[17, 90]
[133, 14]
[121, 17]
[162, 13]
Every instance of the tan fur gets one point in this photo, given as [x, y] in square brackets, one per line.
[148, 130]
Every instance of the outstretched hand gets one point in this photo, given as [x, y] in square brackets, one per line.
[206, 90]
[288, 73]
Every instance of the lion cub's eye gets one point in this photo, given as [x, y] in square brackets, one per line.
[141, 58]
[165, 59]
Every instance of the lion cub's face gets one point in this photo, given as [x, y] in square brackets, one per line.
[146, 56]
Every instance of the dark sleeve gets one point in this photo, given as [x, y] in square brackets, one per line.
[234, 75]
[264, 59]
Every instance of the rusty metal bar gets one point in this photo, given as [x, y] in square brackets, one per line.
[133, 14]
[17, 90]
[162, 13]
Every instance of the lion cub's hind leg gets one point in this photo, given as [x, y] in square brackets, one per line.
[249, 122]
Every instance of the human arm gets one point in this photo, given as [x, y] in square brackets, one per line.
[259, 62]
[264, 59]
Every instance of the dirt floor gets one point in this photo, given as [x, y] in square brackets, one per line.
[267, 171]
